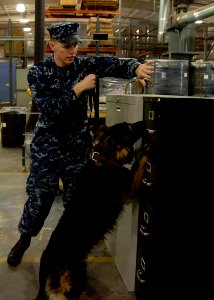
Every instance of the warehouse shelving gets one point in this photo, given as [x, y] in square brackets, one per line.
[89, 50]
[83, 13]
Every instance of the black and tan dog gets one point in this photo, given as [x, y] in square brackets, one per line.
[104, 187]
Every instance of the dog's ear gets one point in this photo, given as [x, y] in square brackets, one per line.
[98, 130]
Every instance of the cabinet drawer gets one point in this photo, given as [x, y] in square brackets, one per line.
[142, 280]
[151, 115]
[145, 236]
[149, 174]
[146, 215]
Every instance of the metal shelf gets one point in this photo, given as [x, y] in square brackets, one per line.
[110, 50]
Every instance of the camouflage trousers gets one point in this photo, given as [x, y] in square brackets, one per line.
[53, 157]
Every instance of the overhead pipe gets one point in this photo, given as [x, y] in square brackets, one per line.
[163, 17]
[184, 19]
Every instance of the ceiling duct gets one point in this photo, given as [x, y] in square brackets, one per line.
[184, 19]
[180, 27]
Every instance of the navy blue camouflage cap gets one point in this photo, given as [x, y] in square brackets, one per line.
[65, 33]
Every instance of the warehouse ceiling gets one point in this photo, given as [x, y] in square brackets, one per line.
[136, 25]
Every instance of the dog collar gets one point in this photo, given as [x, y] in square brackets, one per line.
[95, 155]
[100, 160]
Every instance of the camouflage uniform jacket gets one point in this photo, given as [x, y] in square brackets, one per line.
[52, 88]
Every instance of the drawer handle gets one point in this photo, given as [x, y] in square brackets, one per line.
[143, 232]
[151, 115]
[143, 263]
[151, 130]
[146, 217]
[146, 182]
[140, 274]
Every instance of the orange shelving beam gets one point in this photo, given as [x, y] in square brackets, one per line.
[62, 13]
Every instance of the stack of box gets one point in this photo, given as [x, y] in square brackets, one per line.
[72, 4]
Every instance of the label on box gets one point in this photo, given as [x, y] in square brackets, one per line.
[163, 75]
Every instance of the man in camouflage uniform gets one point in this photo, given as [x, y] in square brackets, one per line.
[62, 143]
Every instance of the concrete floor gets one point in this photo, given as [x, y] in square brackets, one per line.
[21, 283]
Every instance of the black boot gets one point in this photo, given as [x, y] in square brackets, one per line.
[16, 253]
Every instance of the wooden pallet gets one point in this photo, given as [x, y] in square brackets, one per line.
[91, 31]
[102, 26]
[78, 13]
[101, 20]
[55, 7]
[101, 4]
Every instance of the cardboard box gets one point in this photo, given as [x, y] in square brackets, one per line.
[17, 45]
[68, 2]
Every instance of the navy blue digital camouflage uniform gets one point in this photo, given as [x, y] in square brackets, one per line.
[62, 142]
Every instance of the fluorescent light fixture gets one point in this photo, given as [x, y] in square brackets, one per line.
[24, 20]
[20, 7]
[198, 21]
[26, 29]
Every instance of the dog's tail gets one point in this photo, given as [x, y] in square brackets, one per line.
[59, 290]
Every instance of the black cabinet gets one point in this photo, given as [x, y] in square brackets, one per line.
[175, 229]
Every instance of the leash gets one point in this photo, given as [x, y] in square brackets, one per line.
[33, 117]
[94, 103]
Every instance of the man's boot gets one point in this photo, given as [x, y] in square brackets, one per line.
[16, 253]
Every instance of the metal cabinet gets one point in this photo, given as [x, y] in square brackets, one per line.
[122, 243]
[175, 217]
[5, 82]
[13, 120]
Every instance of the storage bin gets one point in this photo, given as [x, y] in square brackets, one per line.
[13, 121]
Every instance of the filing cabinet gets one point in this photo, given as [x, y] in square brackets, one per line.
[122, 242]
[175, 216]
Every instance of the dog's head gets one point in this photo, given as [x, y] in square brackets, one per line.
[116, 142]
